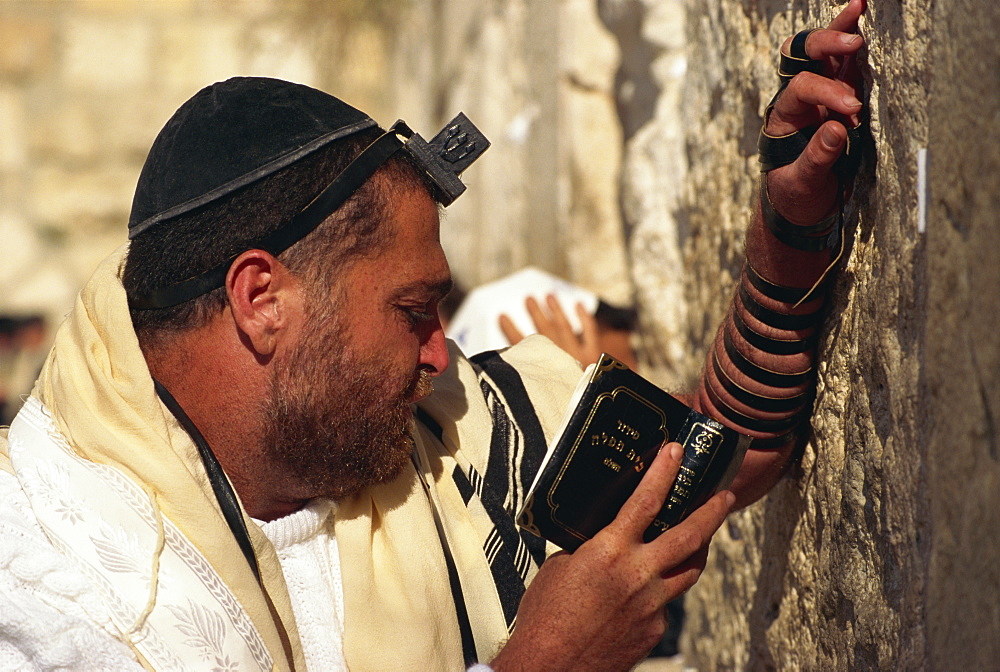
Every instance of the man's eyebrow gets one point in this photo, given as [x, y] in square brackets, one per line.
[437, 289]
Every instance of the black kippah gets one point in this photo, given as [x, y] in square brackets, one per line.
[231, 134]
[234, 133]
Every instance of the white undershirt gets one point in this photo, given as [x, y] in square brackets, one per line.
[307, 551]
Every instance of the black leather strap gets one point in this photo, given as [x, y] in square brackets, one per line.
[848, 162]
[798, 236]
[777, 220]
[797, 49]
[757, 401]
[789, 66]
[762, 375]
[230, 506]
[775, 319]
[754, 424]
[772, 291]
[321, 207]
[775, 151]
[774, 346]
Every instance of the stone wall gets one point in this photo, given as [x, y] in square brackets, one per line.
[880, 551]
[84, 88]
[538, 79]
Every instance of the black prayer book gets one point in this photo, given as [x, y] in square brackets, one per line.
[616, 422]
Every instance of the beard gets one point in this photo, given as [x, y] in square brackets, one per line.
[338, 422]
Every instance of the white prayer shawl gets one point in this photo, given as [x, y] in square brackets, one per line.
[118, 484]
[113, 531]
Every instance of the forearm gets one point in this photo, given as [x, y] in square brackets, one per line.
[760, 373]
[760, 377]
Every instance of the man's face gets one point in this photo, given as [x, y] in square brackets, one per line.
[339, 410]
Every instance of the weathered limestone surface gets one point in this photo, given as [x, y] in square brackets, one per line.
[84, 88]
[959, 390]
[880, 552]
[538, 79]
[650, 89]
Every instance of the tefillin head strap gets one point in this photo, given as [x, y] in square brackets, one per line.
[443, 160]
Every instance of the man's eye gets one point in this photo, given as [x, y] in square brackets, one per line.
[418, 315]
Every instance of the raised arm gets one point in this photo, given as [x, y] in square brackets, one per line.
[760, 375]
[601, 608]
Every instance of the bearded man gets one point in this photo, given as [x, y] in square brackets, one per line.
[233, 458]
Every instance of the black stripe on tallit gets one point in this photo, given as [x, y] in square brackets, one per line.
[224, 494]
[458, 597]
[463, 484]
[502, 543]
[509, 382]
[509, 437]
[508, 581]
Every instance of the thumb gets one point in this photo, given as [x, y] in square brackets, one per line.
[816, 162]
[804, 191]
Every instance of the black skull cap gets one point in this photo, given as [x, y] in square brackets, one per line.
[231, 134]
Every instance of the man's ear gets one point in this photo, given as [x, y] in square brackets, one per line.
[261, 294]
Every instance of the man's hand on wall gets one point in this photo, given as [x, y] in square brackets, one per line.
[602, 607]
[807, 189]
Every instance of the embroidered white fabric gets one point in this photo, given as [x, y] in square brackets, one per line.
[51, 615]
[50, 612]
[308, 556]
[98, 519]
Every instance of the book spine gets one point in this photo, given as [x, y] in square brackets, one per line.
[704, 446]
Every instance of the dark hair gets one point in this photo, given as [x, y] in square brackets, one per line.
[204, 238]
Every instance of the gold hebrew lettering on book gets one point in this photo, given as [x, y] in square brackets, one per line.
[705, 440]
[628, 431]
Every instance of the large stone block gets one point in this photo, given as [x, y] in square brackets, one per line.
[13, 131]
[107, 52]
[531, 75]
[26, 44]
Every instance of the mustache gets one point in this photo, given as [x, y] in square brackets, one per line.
[421, 386]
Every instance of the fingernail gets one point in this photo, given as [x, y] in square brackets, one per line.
[830, 138]
[851, 101]
[730, 499]
[849, 40]
[676, 451]
[855, 121]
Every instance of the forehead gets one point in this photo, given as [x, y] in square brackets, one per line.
[412, 254]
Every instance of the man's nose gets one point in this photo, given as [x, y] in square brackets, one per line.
[434, 351]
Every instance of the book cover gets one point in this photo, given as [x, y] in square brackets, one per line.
[615, 425]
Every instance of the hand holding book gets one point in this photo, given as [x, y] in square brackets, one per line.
[601, 607]
[614, 428]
